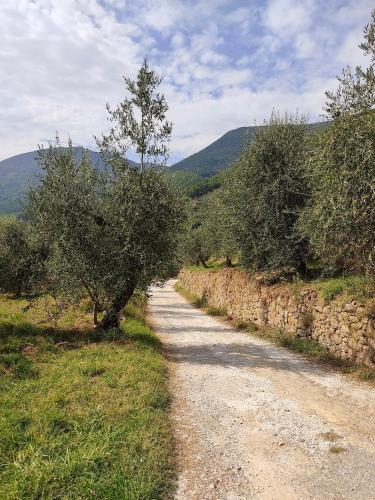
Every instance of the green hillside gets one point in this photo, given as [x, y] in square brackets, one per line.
[202, 172]
[19, 172]
[218, 155]
[196, 174]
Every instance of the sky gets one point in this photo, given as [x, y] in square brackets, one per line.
[224, 63]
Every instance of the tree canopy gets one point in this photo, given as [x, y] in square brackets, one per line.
[265, 193]
[339, 220]
[356, 90]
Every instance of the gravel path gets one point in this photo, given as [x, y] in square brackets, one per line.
[256, 421]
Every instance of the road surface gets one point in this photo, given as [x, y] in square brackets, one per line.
[256, 421]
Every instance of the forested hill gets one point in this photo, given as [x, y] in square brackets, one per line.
[18, 172]
[221, 153]
[203, 171]
[218, 155]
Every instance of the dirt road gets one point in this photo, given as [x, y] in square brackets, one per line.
[256, 421]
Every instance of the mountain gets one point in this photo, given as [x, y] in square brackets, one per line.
[197, 174]
[19, 172]
[218, 155]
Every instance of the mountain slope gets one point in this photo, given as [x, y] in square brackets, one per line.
[220, 154]
[19, 172]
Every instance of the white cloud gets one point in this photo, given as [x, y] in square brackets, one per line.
[286, 17]
[226, 63]
[305, 45]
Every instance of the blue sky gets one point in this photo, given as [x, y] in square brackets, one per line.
[225, 63]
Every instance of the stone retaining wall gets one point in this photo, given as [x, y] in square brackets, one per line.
[346, 328]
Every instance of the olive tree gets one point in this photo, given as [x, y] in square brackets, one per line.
[356, 90]
[264, 194]
[193, 248]
[22, 257]
[115, 231]
[139, 121]
[218, 227]
[109, 233]
[340, 217]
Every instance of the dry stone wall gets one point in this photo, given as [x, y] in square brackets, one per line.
[346, 328]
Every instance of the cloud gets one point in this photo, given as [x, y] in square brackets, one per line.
[225, 64]
[286, 17]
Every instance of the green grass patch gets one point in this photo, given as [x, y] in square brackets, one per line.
[190, 297]
[83, 413]
[358, 288]
[216, 311]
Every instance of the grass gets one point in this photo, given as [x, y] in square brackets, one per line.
[359, 288]
[190, 297]
[336, 449]
[247, 326]
[216, 311]
[200, 302]
[330, 436]
[83, 414]
[356, 287]
[305, 346]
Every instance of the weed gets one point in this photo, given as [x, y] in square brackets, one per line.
[216, 311]
[193, 299]
[248, 326]
[364, 373]
[330, 436]
[336, 449]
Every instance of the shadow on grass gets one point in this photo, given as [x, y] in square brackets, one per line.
[22, 342]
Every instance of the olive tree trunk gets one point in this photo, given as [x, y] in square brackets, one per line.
[112, 314]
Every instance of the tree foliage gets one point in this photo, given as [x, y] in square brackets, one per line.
[139, 121]
[194, 245]
[110, 233]
[340, 218]
[356, 90]
[22, 257]
[218, 227]
[265, 193]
